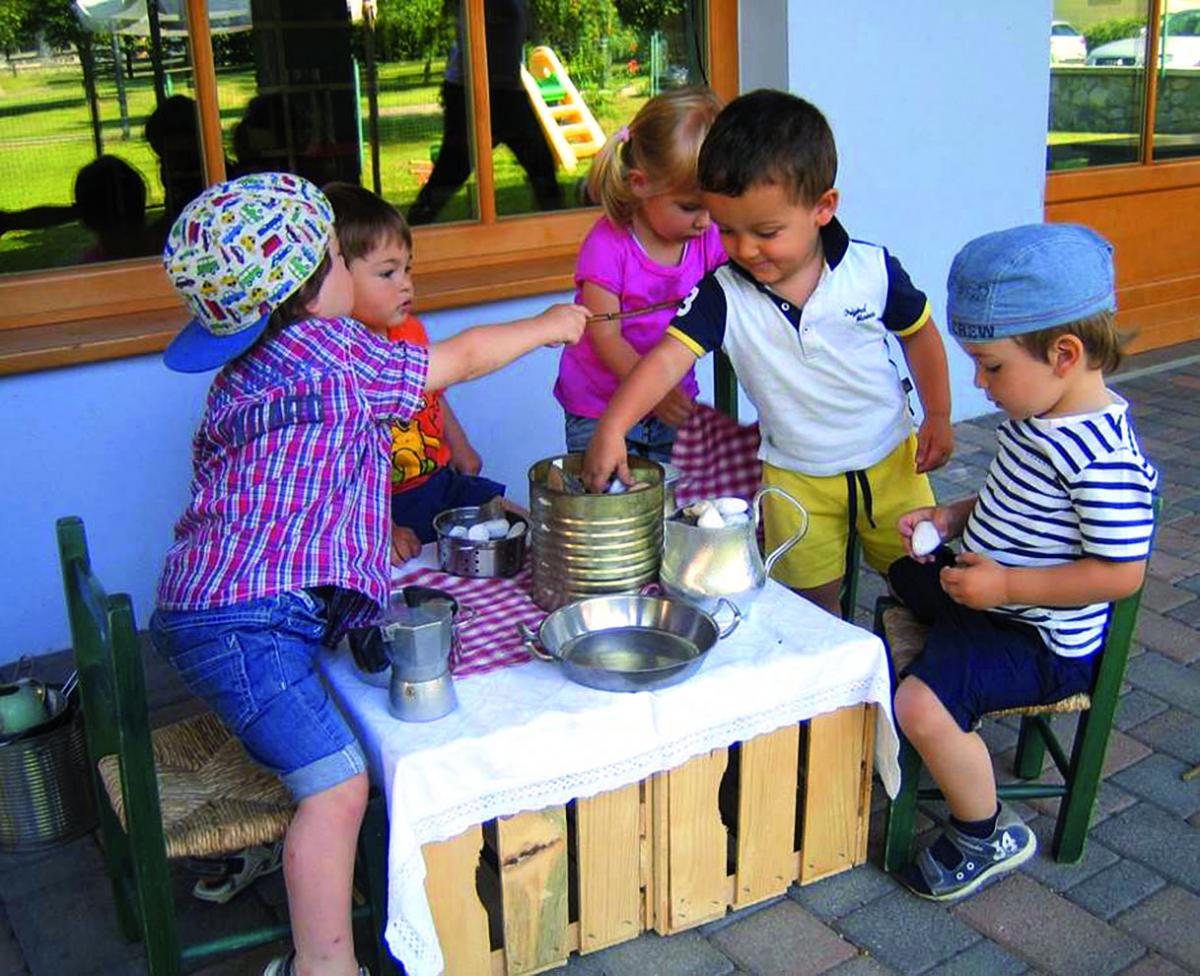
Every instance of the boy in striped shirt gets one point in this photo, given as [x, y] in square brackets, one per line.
[1060, 529]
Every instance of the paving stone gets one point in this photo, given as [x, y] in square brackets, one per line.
[1115, 889]
[999, 738]
[1161, 596]
[784, 940]
[708, 928]
[12, 962]
[1187, 614]
[1059, 877]
[94, 943]
[1177, 538]
[1123, 750]
[843, 893]
[1174, 638]
[1135, 707]
[1054, 935]
[1163, 842]
[23, 875]
[1171, 568]
[861, 966]
[982, 957]
[1109, 800]
[907, 933]
[1166, 922]
[1156, 778]
[685, 954]
[1169, 680]
[1191, 584]
[1154, 965]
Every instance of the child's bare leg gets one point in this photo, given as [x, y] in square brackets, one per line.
[318, 869]
[827, 596]
[957, 760]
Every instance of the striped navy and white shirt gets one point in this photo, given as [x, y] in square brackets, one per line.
[1061, 489]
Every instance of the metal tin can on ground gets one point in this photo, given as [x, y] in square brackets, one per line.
[587, 545]
[45, 784]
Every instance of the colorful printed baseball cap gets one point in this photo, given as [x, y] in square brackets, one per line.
[235, 254]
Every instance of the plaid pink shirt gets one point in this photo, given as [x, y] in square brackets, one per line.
[291, 463]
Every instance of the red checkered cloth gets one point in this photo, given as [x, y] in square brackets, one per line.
[717, 457]
[489, 638]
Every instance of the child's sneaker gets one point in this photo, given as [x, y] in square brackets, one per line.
[283, 967]
[1010, 845]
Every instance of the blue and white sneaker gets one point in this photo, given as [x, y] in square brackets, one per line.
[1010, 845]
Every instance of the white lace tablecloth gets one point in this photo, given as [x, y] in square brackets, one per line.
[524, 738]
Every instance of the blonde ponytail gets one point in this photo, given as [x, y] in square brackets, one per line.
[663, 141]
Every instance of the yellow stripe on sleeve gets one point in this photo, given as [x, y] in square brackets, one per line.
[698, 350]
[921, 320]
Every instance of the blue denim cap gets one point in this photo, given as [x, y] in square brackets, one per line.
[1028, 278]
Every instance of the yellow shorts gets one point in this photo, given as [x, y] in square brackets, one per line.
[879, 495]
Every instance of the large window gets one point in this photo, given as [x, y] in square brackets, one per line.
[477, 118]
[1111, 104]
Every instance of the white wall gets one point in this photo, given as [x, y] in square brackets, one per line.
[940, 114]
[939, 110]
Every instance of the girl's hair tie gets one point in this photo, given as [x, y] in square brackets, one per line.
[623, 134]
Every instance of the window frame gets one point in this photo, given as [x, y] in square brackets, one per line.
[87, 313]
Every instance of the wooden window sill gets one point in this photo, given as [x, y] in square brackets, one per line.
[50, 345]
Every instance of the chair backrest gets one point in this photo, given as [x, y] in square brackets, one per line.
[111, 688]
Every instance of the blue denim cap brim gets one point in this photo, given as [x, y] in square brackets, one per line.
[1029, 278]
[196, 350]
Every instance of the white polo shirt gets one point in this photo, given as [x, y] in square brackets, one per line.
[829, 397]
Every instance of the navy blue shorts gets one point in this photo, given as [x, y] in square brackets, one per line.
[417, 507]
[978, 662]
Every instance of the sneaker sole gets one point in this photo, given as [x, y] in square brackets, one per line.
[995, 871]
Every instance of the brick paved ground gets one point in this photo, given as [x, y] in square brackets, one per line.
[1132, 904]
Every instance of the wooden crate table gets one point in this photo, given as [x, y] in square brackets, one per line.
[543, 818]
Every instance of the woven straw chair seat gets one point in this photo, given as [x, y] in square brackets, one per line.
[214, 800]
[905, 636]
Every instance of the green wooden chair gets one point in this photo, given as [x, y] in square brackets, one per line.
[1081, 771]
[185, 790]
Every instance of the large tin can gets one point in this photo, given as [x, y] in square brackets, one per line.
[587, 545]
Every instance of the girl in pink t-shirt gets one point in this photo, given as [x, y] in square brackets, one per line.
[651, 247]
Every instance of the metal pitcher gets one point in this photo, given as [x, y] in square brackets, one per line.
[703, 565]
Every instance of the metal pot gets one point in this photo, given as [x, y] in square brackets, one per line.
[467, 557]
[586, 545]
[627, 642]
[702, 565]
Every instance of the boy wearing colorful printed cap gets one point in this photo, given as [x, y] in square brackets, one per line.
[1060, 530]
[285, 543]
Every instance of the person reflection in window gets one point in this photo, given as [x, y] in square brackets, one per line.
[172, 133]
[281, 132]
[513, 120]
[110, 201]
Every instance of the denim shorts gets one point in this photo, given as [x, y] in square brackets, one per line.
[254, 663]
[978, 662]
[649, 438]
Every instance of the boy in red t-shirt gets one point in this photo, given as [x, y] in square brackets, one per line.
[434, 466]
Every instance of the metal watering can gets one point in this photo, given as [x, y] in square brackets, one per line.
[704, 565]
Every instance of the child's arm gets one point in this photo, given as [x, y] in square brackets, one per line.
[980, 582]
[484, 349]
[926, 358]
[463, 457]
[619, 357]
[657, 372]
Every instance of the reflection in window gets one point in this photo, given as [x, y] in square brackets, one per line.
[1177, 108]
[98, 136]
[1097, 83]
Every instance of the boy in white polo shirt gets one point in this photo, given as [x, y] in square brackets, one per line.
[803, 312]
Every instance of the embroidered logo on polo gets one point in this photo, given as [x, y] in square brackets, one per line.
[860, 314]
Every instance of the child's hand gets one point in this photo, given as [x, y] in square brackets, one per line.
[466, 460]
[565, 323]
[405, 544]
[602, 461]
[674, 408]
[942, 519]
[935, 443]
[976, 582]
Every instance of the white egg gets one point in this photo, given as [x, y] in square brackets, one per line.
[479, 532]
[710, 518]
[731, 506]
[742, 518]
[457, 532]
[617, 487]
[696, 509]
[496, 528]
[925, 538]
[516, 530]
